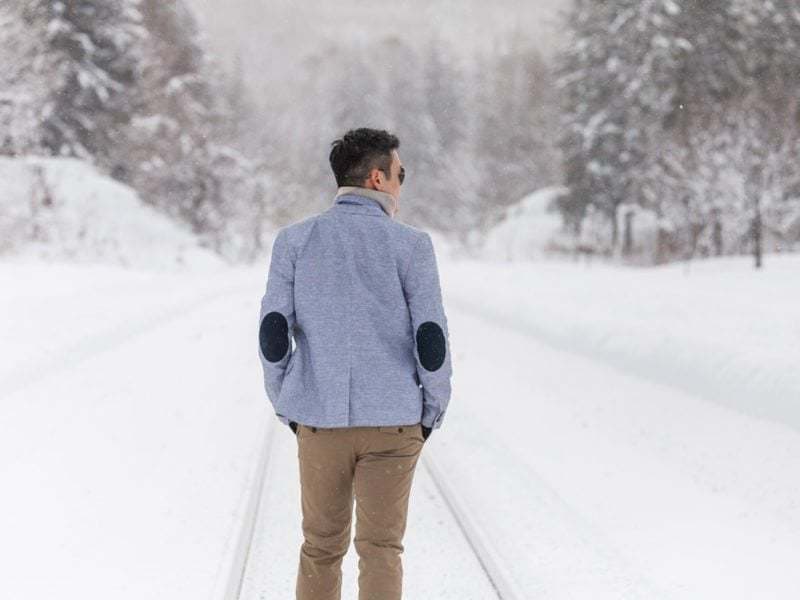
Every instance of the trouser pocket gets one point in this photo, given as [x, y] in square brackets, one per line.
[412, 432]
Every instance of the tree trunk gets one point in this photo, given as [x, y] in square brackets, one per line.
[614, 231]
[716, 236]
[627, 235]
[758, 249]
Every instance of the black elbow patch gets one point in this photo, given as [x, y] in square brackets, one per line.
[273, 335]
[430, 345]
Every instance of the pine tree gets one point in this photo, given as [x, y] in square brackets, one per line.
[23, 93]
[183, 158]
[91, 59]
[447, 98]
[513, 143]
[643, 82]
[774, 112]
[582, 72]
[428, 194]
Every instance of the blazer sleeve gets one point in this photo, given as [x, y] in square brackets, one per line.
[277, 320]
[429, 326]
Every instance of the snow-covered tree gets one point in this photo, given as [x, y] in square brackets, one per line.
[658, 95]
[513, 145]
[446, 92]
[23, 92]
[130, 86]
[91, 57]
[426, 94]
[183, 154]
[589, 121]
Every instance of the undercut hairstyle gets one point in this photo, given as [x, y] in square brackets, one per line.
[354, 156]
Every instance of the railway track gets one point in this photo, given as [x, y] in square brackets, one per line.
[479, 543]
[235, 563]
[239, 550]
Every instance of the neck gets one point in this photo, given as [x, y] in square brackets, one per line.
[387, 201]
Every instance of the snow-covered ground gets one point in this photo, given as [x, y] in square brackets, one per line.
[130, 419]
[716, 328]
[597, 482]
[616, 433]
[527, 229]
[56, 208]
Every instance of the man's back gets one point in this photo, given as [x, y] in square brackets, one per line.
[360, 293]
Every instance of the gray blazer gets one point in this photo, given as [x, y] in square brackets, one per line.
[359, 293]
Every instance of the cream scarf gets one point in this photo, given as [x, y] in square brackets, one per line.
[387, 201]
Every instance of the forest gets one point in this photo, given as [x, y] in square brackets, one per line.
[673, 126]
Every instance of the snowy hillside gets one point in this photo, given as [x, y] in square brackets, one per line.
[63, 209]
[526, 228]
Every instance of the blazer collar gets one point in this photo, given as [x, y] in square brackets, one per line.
[374, 201]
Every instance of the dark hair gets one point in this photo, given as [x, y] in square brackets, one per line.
[359, 151]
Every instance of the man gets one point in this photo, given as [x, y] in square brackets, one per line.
[369, 376]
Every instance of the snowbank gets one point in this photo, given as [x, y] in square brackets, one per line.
[717, 328]
[62, 209]
[526, 229]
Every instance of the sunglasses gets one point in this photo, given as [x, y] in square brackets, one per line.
[402, 174]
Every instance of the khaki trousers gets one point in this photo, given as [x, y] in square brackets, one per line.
[375, 467]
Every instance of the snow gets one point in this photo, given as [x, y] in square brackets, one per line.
[431, 533]
[91, 219]
[131, 415]
[526, 229]
[615, 433]
[717, 328]
[599, 484]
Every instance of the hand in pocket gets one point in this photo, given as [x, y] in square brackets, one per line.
[426, 431]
